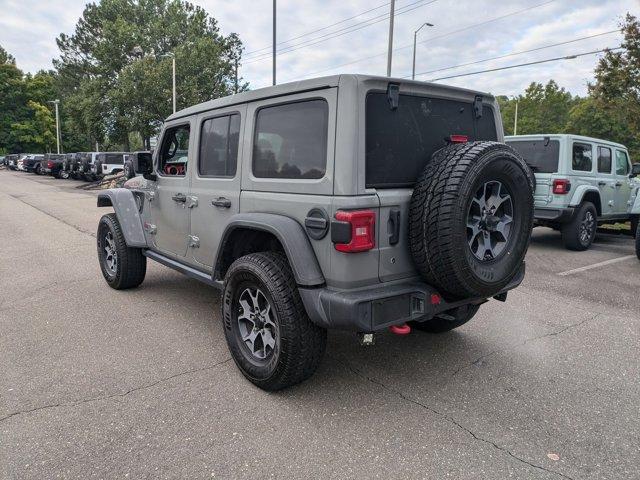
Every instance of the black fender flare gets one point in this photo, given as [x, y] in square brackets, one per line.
[124, 203]
[289, 233]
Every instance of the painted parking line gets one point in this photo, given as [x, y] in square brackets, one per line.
[597, 265]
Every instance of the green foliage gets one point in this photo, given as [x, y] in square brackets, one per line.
[116, 69]
[611, 111]
[37, 133]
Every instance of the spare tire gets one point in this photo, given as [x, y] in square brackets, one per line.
[471, 216]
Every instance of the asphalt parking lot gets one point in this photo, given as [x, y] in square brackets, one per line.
[97, 383]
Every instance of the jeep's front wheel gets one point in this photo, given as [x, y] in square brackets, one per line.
[122, 266]
[580, 232]
[270, 336]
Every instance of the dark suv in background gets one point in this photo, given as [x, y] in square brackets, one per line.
[51, 164]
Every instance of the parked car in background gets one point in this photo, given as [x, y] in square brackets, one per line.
[11, 161]
[52, 164]
[130, 160]
[21, 158]
[108, 163]
[87, 160]
[581, 182]
[31, 163]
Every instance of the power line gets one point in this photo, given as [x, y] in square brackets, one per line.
[512, 54]
[343, 31]
[508, 67]
[319, 29]
[453, 32]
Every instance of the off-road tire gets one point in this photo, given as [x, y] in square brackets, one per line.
[438, 216]
[301, 343]
[64, 174]
[635, 222]
[448, 321]
[131, 265]
[37, 170]
[128, 170]
[571, 230]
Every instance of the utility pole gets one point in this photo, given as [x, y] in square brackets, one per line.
[515, 121]
[274, 42]
[56, 102]
[236, 80]
[415, 36]
[390, 51]
[174, 82]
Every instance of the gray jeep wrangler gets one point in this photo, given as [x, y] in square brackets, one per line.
[348, 202]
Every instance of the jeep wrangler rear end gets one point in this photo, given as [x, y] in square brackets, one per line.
[349, 202]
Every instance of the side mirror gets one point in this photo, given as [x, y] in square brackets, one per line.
[635, 170]
[143, 164]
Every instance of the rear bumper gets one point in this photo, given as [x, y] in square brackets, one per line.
[375, 308]
[557, 215]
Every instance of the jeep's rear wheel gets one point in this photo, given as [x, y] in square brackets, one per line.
[448, 320]
[471, 216]
[271, 339]
[580, 232]
[122, 266]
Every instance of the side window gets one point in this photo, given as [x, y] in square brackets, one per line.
[604, 160]
[174, 151]
[290, 141]
[219, 139]
[582, 157]
[622, 163]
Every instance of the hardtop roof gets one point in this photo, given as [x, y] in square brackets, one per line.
[567, 136]
[303, 86]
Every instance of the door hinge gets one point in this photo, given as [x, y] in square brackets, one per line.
[194, 242]
[150, 228]
[192, 202]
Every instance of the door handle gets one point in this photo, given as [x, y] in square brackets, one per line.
[393, 226]
[221, 202]
[602, 184]
[179, 197]
[618, 184]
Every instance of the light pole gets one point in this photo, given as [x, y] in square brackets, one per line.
[56, 102]
[390, 51]
[515, 120]
[173, 77]
[274, 42]
[415, 36]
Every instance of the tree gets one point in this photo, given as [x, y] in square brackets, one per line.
[118, 56]
[616, 91]
[12, 101]
[542, 109]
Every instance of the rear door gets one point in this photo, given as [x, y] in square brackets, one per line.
[623, 186]
[606, 179]
[399, 143]
[215, 181]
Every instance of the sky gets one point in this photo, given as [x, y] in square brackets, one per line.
[347, 40]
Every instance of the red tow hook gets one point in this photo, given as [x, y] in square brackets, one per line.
[403, 329]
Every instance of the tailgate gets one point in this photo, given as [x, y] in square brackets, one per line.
[392, 234]
[542, 193]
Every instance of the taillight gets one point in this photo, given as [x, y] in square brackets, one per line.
[49, 164]
[359, 230]
[561, 186]
[458, 138]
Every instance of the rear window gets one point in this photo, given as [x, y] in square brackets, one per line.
[290, 140]
[113, 158]
[541, 155]
[400, 142]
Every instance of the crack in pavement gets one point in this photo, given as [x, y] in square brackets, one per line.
[75, 227]
[528, 340]
[449, 419]
[114, 395]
